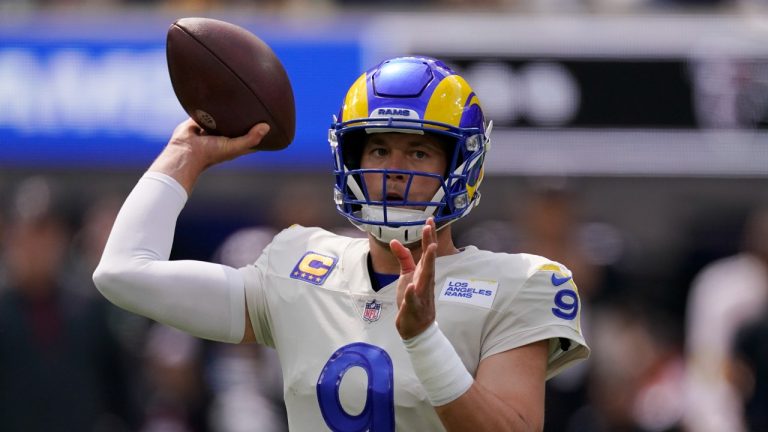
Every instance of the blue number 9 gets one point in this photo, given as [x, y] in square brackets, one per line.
[566, 309]
[378, 415]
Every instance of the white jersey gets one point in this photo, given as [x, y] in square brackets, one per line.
[309, 295]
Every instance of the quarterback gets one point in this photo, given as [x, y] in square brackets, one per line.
[401, 330]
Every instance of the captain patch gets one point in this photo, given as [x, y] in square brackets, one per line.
[313, 268]
[478, 292]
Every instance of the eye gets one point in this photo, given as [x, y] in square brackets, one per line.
[419, 154]
[378, 151]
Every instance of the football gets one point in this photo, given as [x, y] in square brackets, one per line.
[228, 80]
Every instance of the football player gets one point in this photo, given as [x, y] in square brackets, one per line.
[400, 330]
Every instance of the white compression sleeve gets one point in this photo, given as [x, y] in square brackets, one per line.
[204, 299]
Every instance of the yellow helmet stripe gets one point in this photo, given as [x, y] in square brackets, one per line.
[474, 101]
[356, 102]
[471, 189]
[446, 105]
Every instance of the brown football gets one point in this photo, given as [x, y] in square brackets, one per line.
[228, 80]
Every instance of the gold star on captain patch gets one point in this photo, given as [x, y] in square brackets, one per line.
[303, 274]
[296, 273]
[310, 278]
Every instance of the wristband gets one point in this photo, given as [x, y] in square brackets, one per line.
[438, 366]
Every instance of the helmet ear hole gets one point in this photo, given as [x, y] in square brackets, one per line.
[449, 144]
[352, 148]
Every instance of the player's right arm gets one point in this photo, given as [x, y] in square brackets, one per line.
[204, 299]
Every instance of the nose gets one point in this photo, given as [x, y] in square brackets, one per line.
[396, 161]
[395, 175]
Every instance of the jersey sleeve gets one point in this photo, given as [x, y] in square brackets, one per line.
[256, 278]
[546, 306]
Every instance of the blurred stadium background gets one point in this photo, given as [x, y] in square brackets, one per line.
[630, 143]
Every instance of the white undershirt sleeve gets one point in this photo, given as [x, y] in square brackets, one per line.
[204, 299]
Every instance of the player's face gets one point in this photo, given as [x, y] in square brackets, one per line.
[403, 151]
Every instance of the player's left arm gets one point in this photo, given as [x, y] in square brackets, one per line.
[507, 394]
[508, 391]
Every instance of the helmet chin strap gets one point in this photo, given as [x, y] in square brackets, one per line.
[385, 233]
[406, 234]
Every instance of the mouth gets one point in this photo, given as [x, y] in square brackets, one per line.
[395, 200]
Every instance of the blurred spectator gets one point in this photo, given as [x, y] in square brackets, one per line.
[548, 223]
[197, 386]
[176, 398]
[246, 380]
[636, 376]
[551, 227]
[87, 247]
[193, 385]
[725, 295]
[88, 243]
[752, 353]
[386, 3]
[61, 368]
[302, 202]
[634, 379]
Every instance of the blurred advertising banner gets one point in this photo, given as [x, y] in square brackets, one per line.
[606, 95]
[95, 92]
[679, 95]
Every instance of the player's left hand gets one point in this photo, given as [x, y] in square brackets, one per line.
[416, 286]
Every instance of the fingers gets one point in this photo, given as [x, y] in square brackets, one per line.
[404, 257]
[407, 267]
[259, 131]
[428, 234]
[252, 139]
[189, 130]
[425, 271]
[428, 252]
[425, 278]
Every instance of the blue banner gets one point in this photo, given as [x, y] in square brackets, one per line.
[74, 98]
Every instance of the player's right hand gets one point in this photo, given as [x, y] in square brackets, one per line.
[209, 150]
[190, 151]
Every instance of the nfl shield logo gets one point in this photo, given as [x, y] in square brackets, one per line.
[372, 311]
